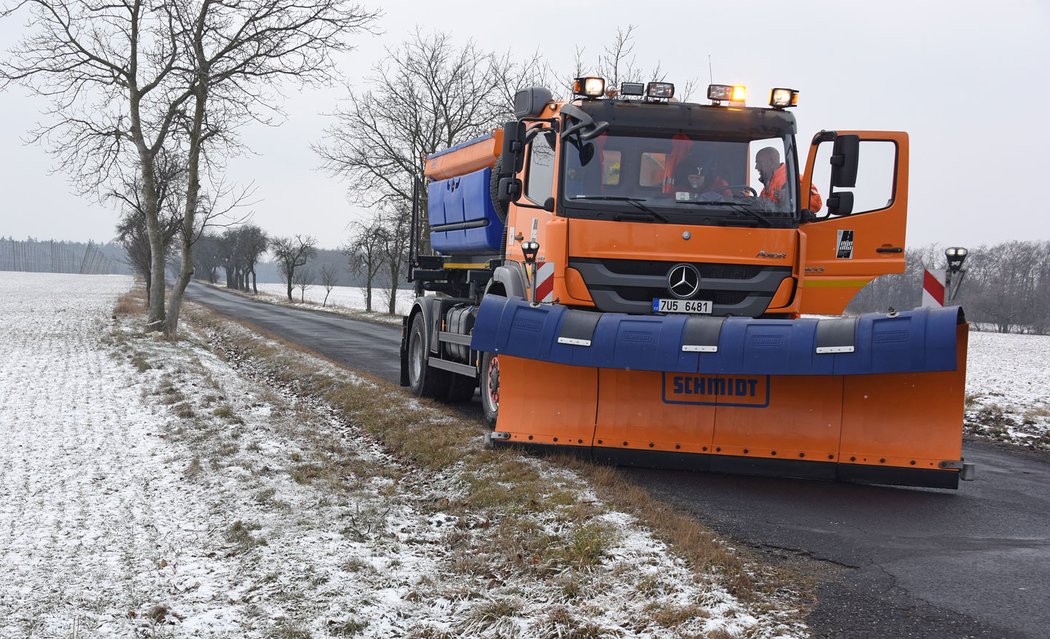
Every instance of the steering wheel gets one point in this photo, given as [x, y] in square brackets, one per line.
[740, 190]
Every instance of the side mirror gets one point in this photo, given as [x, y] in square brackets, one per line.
[845, 157]
[598, 129]
[509, 189]
[840, 203]
[514, 146]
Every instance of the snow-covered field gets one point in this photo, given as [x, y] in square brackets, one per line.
[1008, 388]
[149, 489]
[352, 297]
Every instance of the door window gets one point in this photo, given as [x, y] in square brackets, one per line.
[539, 181]
[876, 174]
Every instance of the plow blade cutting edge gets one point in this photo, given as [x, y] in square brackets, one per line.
[877, 398]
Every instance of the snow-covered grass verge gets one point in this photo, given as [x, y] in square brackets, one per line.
[1008, 388]
[151, 488]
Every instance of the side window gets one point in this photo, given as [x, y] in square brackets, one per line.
[539, 181]
[876, 174]
[611, 168]
[651, 169]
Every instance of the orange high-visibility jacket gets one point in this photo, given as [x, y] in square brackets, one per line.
[775, 189]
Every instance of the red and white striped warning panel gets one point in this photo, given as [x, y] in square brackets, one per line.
[545, 281]
[933, 288]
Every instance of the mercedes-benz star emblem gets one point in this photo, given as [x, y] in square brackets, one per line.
[683, 281]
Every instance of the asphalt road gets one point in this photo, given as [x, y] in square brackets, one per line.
[902, 562]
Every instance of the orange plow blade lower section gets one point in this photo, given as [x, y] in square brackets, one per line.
[898, 428]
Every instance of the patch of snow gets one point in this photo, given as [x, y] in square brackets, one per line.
[351, 297]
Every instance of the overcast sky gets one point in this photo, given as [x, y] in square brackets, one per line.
[968, 81]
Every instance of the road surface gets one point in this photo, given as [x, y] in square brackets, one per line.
[907, 562]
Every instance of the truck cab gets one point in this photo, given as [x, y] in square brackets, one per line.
[625, 194]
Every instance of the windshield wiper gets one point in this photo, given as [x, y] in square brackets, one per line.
[636, 202]
[735, 207]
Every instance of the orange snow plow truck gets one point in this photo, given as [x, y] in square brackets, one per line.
[645, 281]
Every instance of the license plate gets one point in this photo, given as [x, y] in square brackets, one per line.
[662, 305]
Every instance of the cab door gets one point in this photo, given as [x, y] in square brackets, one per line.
[858, 233]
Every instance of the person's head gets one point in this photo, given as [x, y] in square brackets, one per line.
[766, 161]
[696, 178]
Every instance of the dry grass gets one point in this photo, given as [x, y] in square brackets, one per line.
[240, 536]
[131, 303]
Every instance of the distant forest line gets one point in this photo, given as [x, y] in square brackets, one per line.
[1006, 286]
[52, 256]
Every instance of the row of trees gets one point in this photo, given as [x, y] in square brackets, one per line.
[237, 251]
[1006, 286]
[147, 99]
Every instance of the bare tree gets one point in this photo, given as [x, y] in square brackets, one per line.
[290, 254]
[329, 279]
[128, 80]
[304, 279]
[396, 224]
[132, 230]
[237, 54]
[618, 63]
[253, 244]
[425, 96]
[364, 254]
[110, 73]
[207, 256]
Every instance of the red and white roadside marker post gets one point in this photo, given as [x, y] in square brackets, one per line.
[933, 288]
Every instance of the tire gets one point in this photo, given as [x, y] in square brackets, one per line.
[423, 379]
[461, 389]
[489, 385]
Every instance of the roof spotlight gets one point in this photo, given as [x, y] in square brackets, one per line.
[590, 86]
[632, 88]
[781, 98]
[659, 91]
[727, 93]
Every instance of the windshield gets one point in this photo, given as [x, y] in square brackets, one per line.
[681, 178]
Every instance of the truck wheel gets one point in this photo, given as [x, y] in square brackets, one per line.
[424, 380]
[461, 389]
[490, 387]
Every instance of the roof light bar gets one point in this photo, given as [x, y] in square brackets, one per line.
[781, 98]
[589, 86]
[659, 91]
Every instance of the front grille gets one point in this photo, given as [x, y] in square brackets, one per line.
[629, 286]
[645, 267]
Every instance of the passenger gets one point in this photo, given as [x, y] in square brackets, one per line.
[772, 173]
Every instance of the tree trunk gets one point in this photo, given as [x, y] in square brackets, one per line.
[368, 295]
[193, 186]
[288, 274]
[255, 285]
[395, 269]
[156, 249]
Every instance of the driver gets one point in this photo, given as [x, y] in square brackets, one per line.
[699, 181]
[772, 173]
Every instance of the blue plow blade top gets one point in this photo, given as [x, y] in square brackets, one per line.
[921, 340]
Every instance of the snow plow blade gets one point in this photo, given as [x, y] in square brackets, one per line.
[875, 399]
